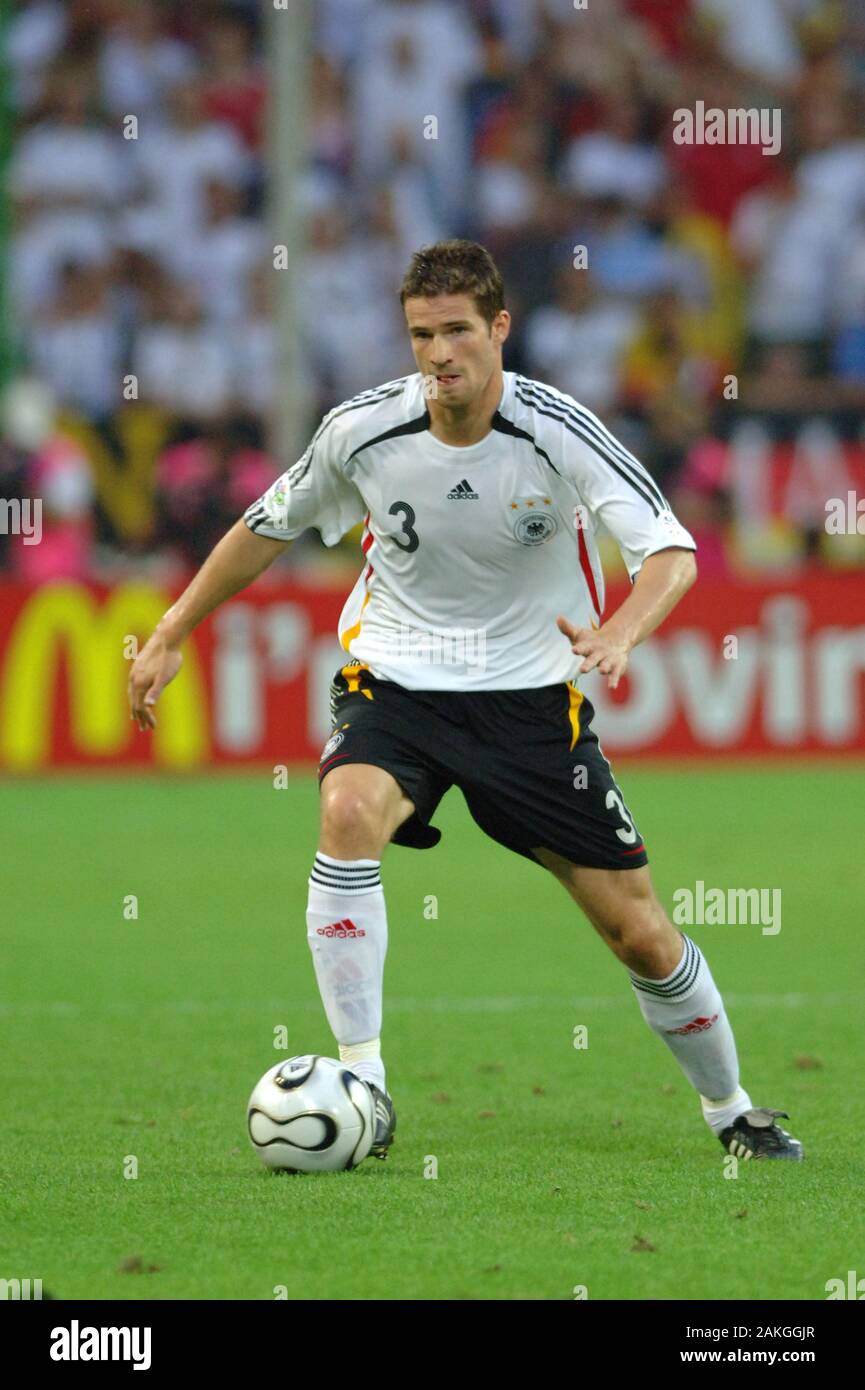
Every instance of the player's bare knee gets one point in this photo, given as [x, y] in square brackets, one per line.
[352, 825]
[650, 945]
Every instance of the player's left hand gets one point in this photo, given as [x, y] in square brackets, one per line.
[608, 650]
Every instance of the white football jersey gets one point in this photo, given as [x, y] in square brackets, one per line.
[470, 553]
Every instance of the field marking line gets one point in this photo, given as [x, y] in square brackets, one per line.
[496, 1003]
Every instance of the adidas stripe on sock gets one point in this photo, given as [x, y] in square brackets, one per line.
[352, 876]
[686, 1010]
[346, 927]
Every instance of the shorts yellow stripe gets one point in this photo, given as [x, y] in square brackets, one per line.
[352, 674]
[575, 699]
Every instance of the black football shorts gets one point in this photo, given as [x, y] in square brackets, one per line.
[527, 762]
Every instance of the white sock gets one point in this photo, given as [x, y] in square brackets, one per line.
[346, 927]
[720, 1113]
[364, 1059]
[686, 1010]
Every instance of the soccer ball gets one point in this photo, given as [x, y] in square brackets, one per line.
[311, 1115]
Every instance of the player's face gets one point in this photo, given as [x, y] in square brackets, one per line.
[454, 345]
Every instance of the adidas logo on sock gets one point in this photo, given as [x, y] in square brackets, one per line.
[461, 491]
[344, 928]
[697, 1025]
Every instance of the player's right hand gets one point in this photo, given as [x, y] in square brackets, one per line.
[155, 665]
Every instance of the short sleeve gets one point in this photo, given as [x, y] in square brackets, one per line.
[619, 492]
[314, 491]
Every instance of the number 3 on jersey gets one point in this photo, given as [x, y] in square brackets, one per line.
[411, 542]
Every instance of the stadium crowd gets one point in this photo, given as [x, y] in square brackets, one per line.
[721, 288]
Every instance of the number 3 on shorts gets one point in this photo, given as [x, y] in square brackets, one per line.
[614, 799]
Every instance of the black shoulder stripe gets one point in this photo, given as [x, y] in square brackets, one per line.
[582, 434]
[256, 516]
[416, 426]
[508, 427]
[601, 437]
[299, 469]
[597, 429]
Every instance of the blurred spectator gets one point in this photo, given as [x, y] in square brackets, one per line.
[664, 365]
[255, 349]
[235, 85]
[530, 258]
[704, 270]
[717, 176]
[518, 24]
[604, 48]
[217, 264]
[181, 362]
[832, 169]
[667, 20]
[52, 470]
[784, 381]
[66, 175]
[47, 242]
[331, 139]
[789, 243]
[615, 161]
[848, 347]
[349, 312]
[503, 98]
[340, 28]
[204, 484]
[34, 37]
[14, 462]
[577, 343]
[491, 89]
[509, 188]
[759, 36]
[625, 252]
[701, 501]
[139, 63]
[75, 342]
[415, 58]
[848, 354]
[403, 208]
[176, 162]
[67, 160]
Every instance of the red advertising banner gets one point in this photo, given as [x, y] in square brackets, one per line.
[763, 668]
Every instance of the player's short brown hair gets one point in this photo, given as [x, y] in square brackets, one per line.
[456, 267]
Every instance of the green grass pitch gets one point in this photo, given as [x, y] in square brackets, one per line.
[557, 1167]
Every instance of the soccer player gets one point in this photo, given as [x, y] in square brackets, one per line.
[479, 604]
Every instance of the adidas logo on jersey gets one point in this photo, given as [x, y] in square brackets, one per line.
[462, 490]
